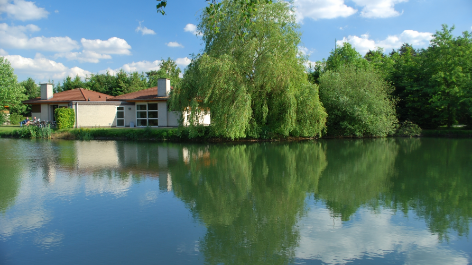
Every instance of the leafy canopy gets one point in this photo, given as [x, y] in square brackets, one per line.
[358, 102]
[251, 75]
[11, 93]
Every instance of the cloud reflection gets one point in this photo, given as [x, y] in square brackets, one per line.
[327, 238]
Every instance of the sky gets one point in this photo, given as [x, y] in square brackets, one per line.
[49, 40]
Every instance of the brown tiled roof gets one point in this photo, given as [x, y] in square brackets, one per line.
[142, 95]
[78, 94]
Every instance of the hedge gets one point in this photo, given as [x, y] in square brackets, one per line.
[65, 118]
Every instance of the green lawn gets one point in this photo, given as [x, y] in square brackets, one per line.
[9, 128]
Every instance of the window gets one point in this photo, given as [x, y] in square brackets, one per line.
[120, 116]
[147, 114]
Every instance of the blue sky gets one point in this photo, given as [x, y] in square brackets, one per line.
[52, 39]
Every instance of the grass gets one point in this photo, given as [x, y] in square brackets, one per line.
[9, 128]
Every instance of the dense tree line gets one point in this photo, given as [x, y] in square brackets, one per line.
[122, 82]
[431, 87]
[12, 92]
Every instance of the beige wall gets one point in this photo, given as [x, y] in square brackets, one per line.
[203, 119]
[130, 115]
[173, 118]
[96, 116]
[44, 112]
[162, 114]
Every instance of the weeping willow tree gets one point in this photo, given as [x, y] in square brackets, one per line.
[251, 75]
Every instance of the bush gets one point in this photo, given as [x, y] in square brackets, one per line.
[15, 119]
[408, 128]
[3, 118]
[34, 132]
[65, 118]
[358, 102]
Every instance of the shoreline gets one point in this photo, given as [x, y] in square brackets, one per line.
[182, 135]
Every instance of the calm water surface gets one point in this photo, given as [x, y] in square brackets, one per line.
[390, 201]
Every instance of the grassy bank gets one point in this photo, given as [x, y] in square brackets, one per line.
[161, 134]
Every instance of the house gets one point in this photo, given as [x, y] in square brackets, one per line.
[143, 108]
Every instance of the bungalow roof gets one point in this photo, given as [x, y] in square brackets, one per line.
[149, 94]
[78, 94]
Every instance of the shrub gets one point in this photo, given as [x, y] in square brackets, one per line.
[65, 118]
[3, 118]
[34, 132]
[408, 128]
[358, 102]
[15, 119]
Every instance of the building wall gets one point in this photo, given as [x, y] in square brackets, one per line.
[203, 119]
[44, 115]
[162, 114]
[36, 114]
[130, 115]
[96, 116]
[173, 118]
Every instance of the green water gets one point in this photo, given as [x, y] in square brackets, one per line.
[388, 201]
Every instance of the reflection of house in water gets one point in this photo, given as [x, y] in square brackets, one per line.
[139, 159]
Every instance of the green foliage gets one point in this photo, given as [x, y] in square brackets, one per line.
[358, 102]
[65, 118]
[15, 119]
[3, 118]
[167, 69]
[11, 93]
[32, 90]
[251, 76]
[83, 134]
[345, 55]
[407, 128]
[34, 132]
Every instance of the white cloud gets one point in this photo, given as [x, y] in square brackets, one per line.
[84, 56]
[192, 29]
[363, 44]
[3, 52]
[144, 30]
[43, 68]
[56, 11]
[15, 37]
[113, 45]
[183, 61]
[329, 9]
[304, 50]
[379, 8]
[321, 9]
[22, 10]
[142, 66]
[174, 44]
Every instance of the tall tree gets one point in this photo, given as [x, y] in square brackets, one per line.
[31, 88]
[449, 63]
[11, 92]
[251, 76]
[167, 69]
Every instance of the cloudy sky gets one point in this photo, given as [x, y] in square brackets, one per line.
[52, 39]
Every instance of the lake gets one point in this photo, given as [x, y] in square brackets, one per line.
[365, 201]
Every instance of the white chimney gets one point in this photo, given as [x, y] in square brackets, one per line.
[163, 87]
[46, 91]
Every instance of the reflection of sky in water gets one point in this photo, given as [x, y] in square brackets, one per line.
[370, 235]
[62, 208]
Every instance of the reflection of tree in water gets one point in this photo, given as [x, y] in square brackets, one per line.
[249, 196]
[358, 172]
[435, 180]
[9, 176]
